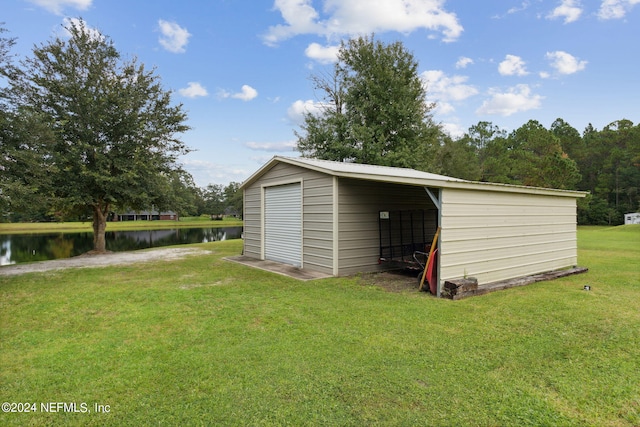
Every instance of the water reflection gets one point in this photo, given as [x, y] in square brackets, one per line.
[18, 248]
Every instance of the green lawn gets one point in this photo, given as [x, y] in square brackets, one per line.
[206, 342]
[82, 227]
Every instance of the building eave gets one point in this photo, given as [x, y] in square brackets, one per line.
[404, 177]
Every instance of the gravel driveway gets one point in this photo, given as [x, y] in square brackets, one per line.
[102, 260]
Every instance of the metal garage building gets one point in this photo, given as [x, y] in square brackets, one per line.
[334, 218]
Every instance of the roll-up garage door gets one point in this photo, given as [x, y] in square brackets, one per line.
[283, 224]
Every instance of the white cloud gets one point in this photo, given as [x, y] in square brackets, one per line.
[322, 54]
[82, 26]
[193, 90]
[349, 17]
[300, 18]
[615, 9]
[56, 6]
[298, 109]
[463, 61]
[272, 146]
[445, 89]
[513, 10]
[512, 66]
[247, 93]
[453, 129]
[516, 99]
[174, 38]
[523, 6]
[205, 172]
[570, 10]
[565, 63]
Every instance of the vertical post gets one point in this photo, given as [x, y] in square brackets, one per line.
[390, 235]
[424, 233]
[380, 234]
[401, 239]
[413, 239]
[437, 202]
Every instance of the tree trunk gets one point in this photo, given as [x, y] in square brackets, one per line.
[99, 227]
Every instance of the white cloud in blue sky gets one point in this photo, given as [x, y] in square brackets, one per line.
[362, 17]
[322, 54]
[565, 63]
[514, 100]
[569, 10]
[173, 37]
[58, 6]
[616, 9]
[247, 93]
[463, 62]
[193, 90]
[446, 90]
[512, 65]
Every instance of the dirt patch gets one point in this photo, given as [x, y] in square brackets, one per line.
[102, 260]
[393, 281]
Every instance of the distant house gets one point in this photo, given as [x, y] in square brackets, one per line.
[146, 216]
[632, 218]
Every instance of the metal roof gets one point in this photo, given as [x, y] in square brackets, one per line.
[403, 176]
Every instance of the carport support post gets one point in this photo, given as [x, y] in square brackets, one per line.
[436, 199]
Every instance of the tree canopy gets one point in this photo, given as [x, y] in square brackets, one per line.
[114, 131]
[374, 109]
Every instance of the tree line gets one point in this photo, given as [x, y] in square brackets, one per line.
[373, 109]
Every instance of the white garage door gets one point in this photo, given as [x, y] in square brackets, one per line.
[283, 224]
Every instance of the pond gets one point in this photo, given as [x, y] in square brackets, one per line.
[19, 248]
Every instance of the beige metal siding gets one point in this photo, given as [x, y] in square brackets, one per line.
[495, 236]
[317, 214]
[252, 229]
[359, 204]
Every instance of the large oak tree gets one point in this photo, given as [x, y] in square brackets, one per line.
[116, 132]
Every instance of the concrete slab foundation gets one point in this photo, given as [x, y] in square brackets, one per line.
[278, 267]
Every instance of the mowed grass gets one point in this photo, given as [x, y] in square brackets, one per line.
[203, 341]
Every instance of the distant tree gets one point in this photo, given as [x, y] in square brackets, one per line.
[183, 196]
[570, 139]
[213, 196]
[612, 170]
[115, 127]
[478, 149]
[374, 109]
[459, 158]
[531, 155]
[233, 198]
[220, 199]
[499, 163]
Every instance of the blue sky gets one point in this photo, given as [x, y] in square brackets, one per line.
[241, 68]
